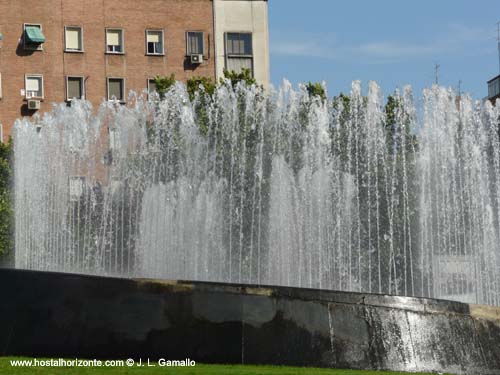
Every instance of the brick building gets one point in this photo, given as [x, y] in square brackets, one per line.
[55, 50]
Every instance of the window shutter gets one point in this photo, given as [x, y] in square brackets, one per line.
[191, 44]
[74, 87]
[115, 89]
[153, 37]
[73, 39]
[230, 44]
[237, 63]
[195, 43]
[113, 38]
[33, 84]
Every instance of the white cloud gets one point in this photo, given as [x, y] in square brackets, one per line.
[296, 49]
[459, 40]
[392, 50]
[304, 44]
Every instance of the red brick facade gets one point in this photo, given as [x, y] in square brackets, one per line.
[175, 17]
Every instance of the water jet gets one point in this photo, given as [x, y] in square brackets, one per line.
[279, 188]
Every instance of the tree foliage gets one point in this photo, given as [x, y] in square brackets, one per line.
[244, 76]
[6, 201]
[316, 90]
[195, 83]
[163, 84]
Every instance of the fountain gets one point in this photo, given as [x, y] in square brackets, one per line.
[280, 188]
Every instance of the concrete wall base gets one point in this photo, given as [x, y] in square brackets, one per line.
[67, 315]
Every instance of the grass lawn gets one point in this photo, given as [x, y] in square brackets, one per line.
[199, 369]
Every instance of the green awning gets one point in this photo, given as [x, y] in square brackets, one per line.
[34, 35]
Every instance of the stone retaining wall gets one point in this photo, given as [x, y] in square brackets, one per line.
[68, 315]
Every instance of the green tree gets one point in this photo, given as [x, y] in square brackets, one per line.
[245, 75]
[163, 84]
[201, 91]
[402, 146]
[341, 106]
[6, 202]
[194, 84]
[316, 89]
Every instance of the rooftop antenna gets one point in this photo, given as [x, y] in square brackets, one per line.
[436, 72]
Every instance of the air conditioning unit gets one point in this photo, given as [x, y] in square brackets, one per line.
[33, 104]
[196, 59]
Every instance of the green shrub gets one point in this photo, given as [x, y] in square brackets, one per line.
[244, 76]
[6, 202]
[193, 85]
[316, 90]
[163, 84]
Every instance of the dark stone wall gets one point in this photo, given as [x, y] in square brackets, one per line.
[67, 315]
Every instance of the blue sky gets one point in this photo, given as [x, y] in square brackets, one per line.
[394, 42]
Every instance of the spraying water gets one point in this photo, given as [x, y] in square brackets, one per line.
[273, 188]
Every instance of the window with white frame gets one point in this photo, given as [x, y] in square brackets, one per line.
[33, 37]
[73, 39]
[76, 188]
[151, 86]
[75, 88]
[239, 52]
[154, 42]
[114, 41]
[34, 86]
[116, 89]
[194, 43]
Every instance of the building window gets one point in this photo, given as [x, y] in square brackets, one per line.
[239, 52]
[34, 86]
[114, 139]
[76, 188]
[33, 37]
[494, 87]
[114, 41]
[154, 42]
[116, 89]
[75, 88]
[73, 39]
[151, 86]
[194, 41]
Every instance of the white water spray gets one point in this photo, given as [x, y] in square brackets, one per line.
[268, 188]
